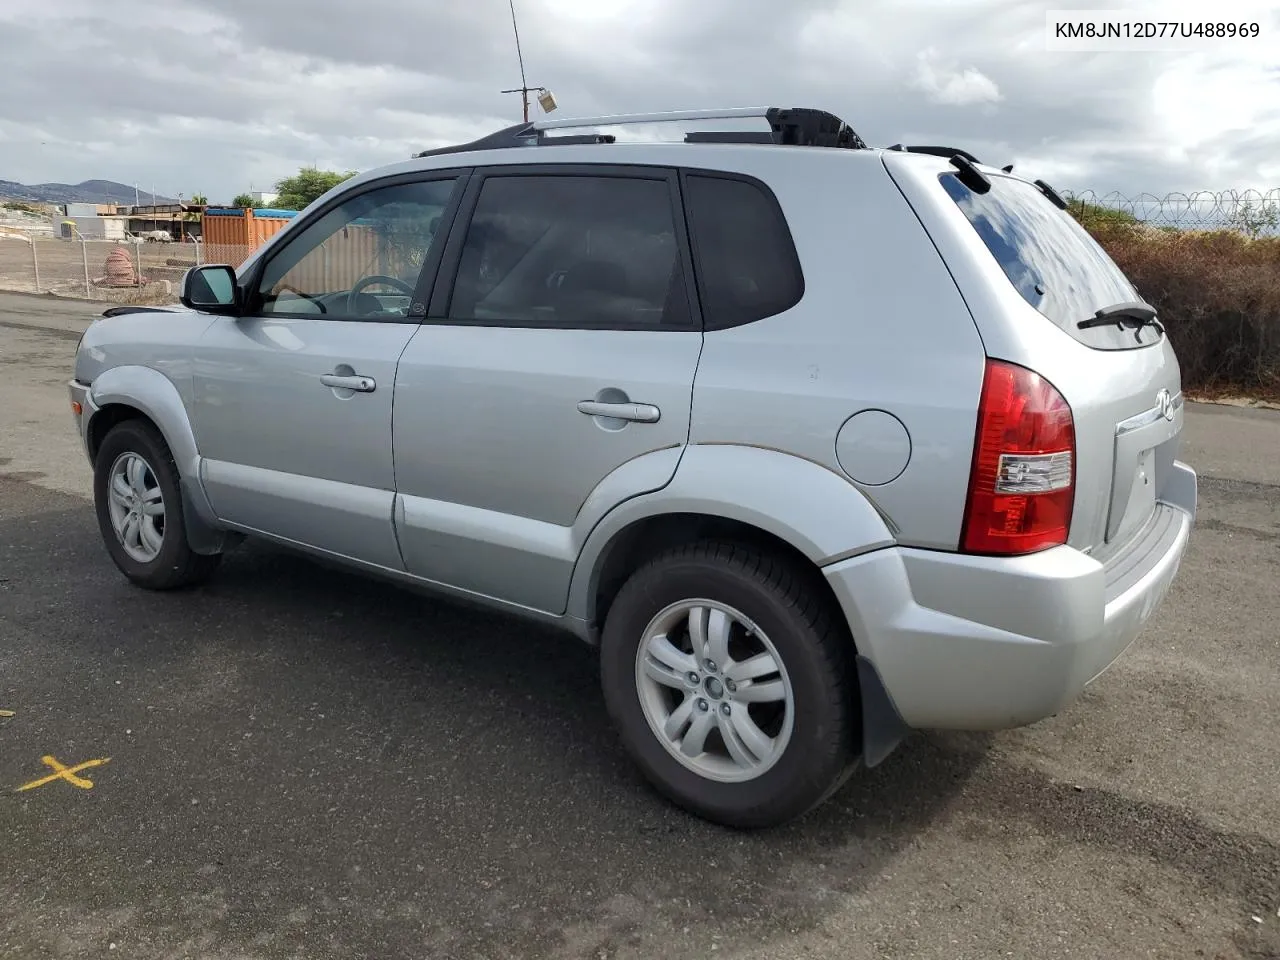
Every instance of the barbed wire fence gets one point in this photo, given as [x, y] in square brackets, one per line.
[133, 271]
[1255, 213]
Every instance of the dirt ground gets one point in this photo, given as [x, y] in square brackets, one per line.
[63, 265]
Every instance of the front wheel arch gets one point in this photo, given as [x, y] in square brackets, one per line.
[172, 563]
[202, 533]
[106, 418]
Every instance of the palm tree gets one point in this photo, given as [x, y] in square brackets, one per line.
[191, 216]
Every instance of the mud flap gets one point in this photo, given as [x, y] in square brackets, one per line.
[203, 536]
[882, 728]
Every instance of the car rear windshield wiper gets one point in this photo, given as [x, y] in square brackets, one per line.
[1134, 312]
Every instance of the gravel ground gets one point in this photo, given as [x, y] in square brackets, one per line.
[303, 763]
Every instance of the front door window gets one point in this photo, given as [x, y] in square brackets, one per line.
[362, 259]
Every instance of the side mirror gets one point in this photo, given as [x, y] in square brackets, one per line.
[211, 289]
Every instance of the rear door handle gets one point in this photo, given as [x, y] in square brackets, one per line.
[636, 412]
[356, 383]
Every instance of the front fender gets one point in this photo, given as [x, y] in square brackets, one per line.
[153, 394]
[801, 502]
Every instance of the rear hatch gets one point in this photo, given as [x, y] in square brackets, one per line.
[1046, 296]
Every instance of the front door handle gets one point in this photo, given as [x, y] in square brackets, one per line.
[354, 382]
[636, 412]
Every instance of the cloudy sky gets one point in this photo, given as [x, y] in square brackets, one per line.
[220, 96]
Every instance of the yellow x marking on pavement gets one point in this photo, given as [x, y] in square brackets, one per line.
[68, 774]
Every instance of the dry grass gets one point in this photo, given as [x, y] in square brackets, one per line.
[1218, 294]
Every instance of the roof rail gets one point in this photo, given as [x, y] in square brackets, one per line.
[947, 152]
[791, 126]
[670, 116]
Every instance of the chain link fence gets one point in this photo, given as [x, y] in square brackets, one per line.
[122, 271]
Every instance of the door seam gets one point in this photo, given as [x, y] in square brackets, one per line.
[395, 480]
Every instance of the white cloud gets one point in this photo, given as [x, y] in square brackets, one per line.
[216, 96]
[949, 85]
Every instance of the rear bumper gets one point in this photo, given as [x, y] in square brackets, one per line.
[985, 643]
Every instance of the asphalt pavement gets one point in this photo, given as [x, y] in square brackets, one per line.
[298, 762]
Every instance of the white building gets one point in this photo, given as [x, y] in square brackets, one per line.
[92, 228]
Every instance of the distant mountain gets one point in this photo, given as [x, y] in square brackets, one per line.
[91, 191]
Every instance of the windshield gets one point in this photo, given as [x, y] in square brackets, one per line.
[1052, 261]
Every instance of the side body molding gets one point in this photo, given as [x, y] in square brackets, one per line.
[818, 512]
[155, 395]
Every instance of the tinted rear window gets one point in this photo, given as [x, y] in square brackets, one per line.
[748, 268]
[1052, 261]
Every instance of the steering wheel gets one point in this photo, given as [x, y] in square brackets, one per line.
[373, 281]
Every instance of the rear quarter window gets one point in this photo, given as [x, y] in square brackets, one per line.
[1049, 258]
[747, 264]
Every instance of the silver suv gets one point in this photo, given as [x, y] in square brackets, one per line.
[817, 442]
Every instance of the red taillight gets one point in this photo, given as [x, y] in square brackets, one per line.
[1022, 484]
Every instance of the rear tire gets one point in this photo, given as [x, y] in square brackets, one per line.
[694, 727]
[138, 498]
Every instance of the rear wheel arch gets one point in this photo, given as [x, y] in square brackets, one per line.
[880, 729]
[783, 503]
[682, 698]
[639, 542]
[784, 506]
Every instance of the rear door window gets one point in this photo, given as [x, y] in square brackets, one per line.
[570, 251]
[1049, 258]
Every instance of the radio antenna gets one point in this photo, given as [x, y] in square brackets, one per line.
[547, 100]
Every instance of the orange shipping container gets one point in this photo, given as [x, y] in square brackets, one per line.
[230, 235]
[358, 250]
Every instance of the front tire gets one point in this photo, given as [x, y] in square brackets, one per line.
[730, 683]
[138, 500]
